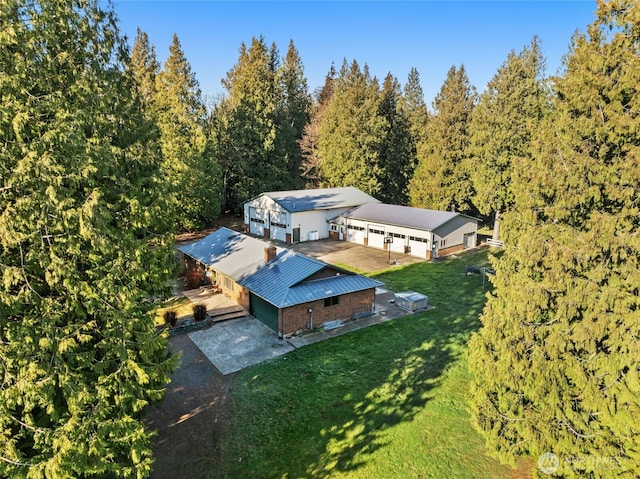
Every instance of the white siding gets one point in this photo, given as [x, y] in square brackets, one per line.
[318, 220]
[418, 241]
[453, 231]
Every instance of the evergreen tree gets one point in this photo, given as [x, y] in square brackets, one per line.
[556, 361]
[85, 248]
[310, 167]
[396, 145]
[253, 162]
[439, 181]
[189, 165]
[351, 131]
[294, 113]
[415, 109]
[503, 122]
[144, 67]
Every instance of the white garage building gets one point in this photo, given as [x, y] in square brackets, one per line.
[300, 215]
[403, 229]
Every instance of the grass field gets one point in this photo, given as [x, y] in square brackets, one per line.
[384, 402]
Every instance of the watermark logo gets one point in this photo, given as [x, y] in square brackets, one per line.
[548, 463]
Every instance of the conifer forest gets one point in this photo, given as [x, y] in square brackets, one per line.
[106, 155]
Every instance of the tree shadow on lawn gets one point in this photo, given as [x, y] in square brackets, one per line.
[400, 396]
[333, 401]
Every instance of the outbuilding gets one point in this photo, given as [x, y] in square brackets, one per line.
[419, 232]
[299, 215]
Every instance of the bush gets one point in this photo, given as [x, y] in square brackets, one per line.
[170, 317]
[199, 312]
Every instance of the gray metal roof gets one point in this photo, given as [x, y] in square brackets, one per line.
[280, 282]
[233, 254]
[320, 199]
[406, 216]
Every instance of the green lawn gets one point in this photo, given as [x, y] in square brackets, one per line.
[384, 402]
[180, 304]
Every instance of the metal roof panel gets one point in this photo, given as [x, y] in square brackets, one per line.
[320, 198]
[406, 216]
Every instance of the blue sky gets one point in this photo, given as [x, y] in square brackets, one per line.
[388, 36]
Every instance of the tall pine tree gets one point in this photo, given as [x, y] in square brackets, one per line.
[502, 125]
[556, 361]
[439, 181]
[351, 132]
[144, 67]
[415, 109]
[396, 146]
[295, 111]
[85, 248]
[310, 168]
[253, 160]
[189, 164]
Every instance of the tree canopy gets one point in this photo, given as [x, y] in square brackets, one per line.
[189, 165]
[439, 181]
[85, 248]
[556, 361]
[508, 113]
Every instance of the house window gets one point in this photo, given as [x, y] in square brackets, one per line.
[332, 301]
[257, 220]
[228, 283]
[397, 235]
[334, 227]
[279, 225]
[418, 239]
[442, 243]
[376, 231]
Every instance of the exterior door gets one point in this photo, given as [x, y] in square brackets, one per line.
[434, 250]
[469, 240]
[265, 312]
[296, 235]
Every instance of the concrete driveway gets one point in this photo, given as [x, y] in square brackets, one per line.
[239, 343]
[355, 255]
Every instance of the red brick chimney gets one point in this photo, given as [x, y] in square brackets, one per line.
[270, 252]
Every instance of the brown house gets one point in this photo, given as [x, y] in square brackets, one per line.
[287, 291]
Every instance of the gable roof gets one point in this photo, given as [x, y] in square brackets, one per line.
[281, 281]
[407, 216]
[233, 254]
[320, 199]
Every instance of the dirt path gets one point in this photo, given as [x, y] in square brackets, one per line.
[190, 419]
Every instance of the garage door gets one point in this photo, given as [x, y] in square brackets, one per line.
[278, 230]
[257, 221]
[398, 243]
[355, 234]
[263, 311]
[376, 236]
[419, 246]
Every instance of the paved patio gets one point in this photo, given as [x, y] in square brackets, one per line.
[239, 343]
[236, 344]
